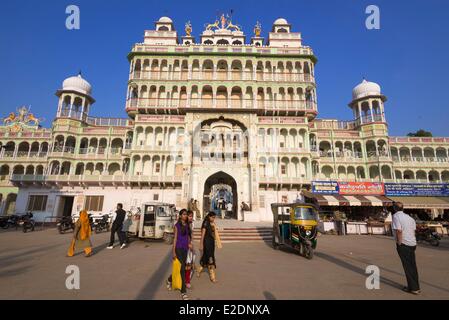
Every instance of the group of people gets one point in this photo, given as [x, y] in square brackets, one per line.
[226, 208]
[184, 251]
[83, 231]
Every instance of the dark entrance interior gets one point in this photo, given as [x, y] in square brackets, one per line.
[66, 206]
[218, 188]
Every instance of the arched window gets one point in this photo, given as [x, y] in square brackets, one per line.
[222, 41]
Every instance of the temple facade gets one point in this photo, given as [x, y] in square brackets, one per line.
[219, 117]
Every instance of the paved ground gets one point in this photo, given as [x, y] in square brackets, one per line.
[32, 266]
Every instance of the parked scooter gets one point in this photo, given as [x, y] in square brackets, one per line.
[27, 222]
[12, 222]
[65, 223]
[102, 225]
[3, 221]
[427, 235]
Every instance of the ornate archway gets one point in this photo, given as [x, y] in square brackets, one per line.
[220, 187]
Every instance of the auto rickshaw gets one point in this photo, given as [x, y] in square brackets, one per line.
[152, 220]
[296, 226]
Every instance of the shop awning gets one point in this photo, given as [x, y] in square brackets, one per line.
[423, 202]
[349, 200]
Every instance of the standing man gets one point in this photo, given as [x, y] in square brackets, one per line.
[196, 210]
[190, 204]
[229, 209]
[404, 232]
[117, 226]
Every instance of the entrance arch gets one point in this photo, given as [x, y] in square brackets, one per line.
[220, 186]
[10, 205]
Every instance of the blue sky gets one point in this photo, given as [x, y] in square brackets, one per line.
[408, 57]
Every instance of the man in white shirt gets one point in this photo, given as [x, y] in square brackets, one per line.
[404, 233]
[229, 210]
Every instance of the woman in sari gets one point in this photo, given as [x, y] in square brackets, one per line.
[207, 246]
[81, 237]
[181, 244]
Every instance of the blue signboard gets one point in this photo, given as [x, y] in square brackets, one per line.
[325, 187]
[417, 189]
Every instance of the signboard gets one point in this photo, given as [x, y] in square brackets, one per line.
[417, 189]
[325, 187]
[361, 188]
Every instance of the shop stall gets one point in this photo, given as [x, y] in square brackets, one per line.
[363, 214]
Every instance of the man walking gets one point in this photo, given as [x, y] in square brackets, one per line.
[404, 232]
[117, 227]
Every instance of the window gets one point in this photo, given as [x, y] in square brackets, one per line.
[305, 213]
[283, 169]
[37, 203]
[158, 168]
[94, 203]
[156, 197]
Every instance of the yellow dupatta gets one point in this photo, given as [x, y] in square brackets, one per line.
[85, 230]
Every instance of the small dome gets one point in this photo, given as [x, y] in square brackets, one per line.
[281, 21]
[165, 20]
[77, 84]
[366, 89]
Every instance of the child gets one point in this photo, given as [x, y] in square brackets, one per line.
[190, 268]
[190, 262]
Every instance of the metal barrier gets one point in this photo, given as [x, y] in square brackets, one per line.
[48, 218]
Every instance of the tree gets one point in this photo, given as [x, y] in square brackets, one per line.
[420, 133]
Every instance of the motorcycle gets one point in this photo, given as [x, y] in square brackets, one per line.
[65, 223]
[429, 236]
[27, 222]
[11, 221]
[102, 225]
[3, 221]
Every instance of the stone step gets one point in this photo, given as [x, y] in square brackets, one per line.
[230, 235]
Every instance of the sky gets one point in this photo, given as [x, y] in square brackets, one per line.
[408, 56]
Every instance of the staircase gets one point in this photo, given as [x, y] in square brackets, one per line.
[241, 234]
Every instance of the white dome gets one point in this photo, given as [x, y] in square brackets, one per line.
[77, 84]
[281, 21]
[366, 89]
[165, 20]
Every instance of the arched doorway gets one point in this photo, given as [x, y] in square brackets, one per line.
[218, 188]
[10, 206]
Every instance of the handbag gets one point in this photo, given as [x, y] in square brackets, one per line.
[176, 275]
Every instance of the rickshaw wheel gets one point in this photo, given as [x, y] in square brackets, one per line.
[275, 245]
[308, 252]
[168, 239]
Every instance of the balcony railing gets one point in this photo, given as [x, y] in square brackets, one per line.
[221, 103]
[244, 49]
[100, 179]
[225, 75]
[425, 160]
